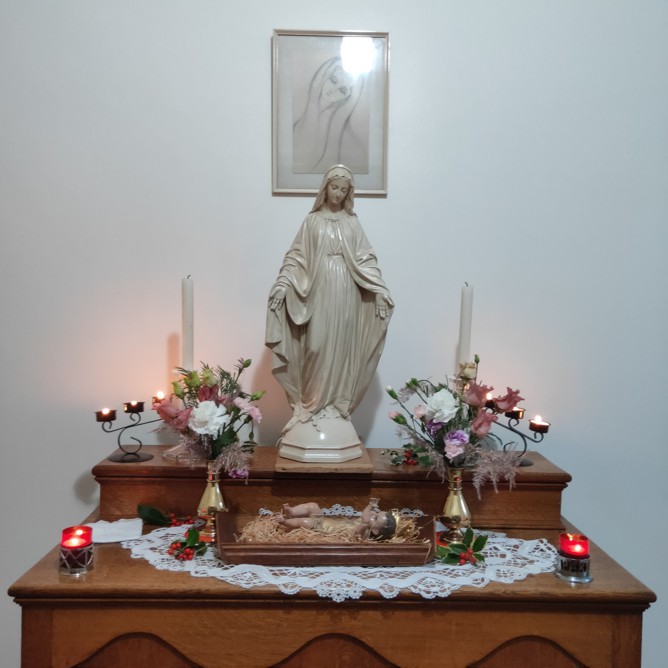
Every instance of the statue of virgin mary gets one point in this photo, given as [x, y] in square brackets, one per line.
[326, 324]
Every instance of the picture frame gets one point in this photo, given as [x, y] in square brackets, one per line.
[329, 106]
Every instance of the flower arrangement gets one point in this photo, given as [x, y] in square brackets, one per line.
[212, 411]
[448, 426]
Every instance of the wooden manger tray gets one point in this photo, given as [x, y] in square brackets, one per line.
[320, 554]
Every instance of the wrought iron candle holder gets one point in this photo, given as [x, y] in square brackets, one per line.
[130, 453]
[537, 425]
[514, 416]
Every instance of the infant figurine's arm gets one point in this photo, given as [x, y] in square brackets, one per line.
[363, 528]
[371, 507]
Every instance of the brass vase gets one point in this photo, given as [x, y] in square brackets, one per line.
[456, 517]
[212, 501]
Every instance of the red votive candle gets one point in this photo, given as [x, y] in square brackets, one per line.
[79, 536]
[76, 550]
[574, 545]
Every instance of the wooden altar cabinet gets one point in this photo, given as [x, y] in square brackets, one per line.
[126, 613]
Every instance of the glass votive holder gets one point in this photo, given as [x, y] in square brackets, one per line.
[76, 550]
[573, 558]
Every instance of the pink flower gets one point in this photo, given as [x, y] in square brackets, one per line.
[419, 411]
[208, 393]
[476, 395]
[245, 406]
[483, 423]
[508, 401]
[239, 473]
[397, 417]
[173, 416]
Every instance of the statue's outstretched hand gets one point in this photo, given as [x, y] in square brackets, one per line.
[383, 304]
[276, 297]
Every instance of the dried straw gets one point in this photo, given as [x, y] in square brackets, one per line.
[266, 529]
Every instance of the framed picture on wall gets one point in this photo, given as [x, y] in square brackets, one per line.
[329, 106]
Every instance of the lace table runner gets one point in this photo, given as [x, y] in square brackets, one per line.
[506, 560]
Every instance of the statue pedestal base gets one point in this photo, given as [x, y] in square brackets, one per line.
[361, 464]
[322, 454]
[326, 438]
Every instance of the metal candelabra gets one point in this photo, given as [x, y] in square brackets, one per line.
[539, 430]
[129, 452]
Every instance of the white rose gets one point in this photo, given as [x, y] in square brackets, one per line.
[441, 406]
[208, 418]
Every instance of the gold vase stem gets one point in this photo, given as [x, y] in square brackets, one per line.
[456, 517]
[212, 501]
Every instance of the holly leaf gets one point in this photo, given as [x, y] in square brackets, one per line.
[457, 548]
[468, 537]
[152, 515]
[451, 558]
[192, 538]
[479, 543]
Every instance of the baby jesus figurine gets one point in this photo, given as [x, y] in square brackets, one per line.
[372, 524]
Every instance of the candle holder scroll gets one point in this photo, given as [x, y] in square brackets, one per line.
[514, 418]
[130, 453]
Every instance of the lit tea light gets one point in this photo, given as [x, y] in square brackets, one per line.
[539, 425]
[133, 406]
[78, 536]
[574, 544]
[573, 558]
[159, 397]
[76, 550]
[489, 400]
[516, 413]
[105, 415]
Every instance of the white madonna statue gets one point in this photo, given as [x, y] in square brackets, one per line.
[326, 323]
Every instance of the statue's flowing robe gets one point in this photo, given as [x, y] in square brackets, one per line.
[326, 338]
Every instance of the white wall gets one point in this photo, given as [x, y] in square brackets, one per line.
[528, 155]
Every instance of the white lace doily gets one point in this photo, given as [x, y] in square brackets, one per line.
[506, 560]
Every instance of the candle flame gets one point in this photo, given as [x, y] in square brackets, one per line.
[160, 395]
[106, 411]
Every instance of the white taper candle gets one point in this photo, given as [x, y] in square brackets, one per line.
[466, 312]
[187, 323]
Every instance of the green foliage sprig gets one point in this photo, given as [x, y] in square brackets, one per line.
[469, 551]
[188, 549]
